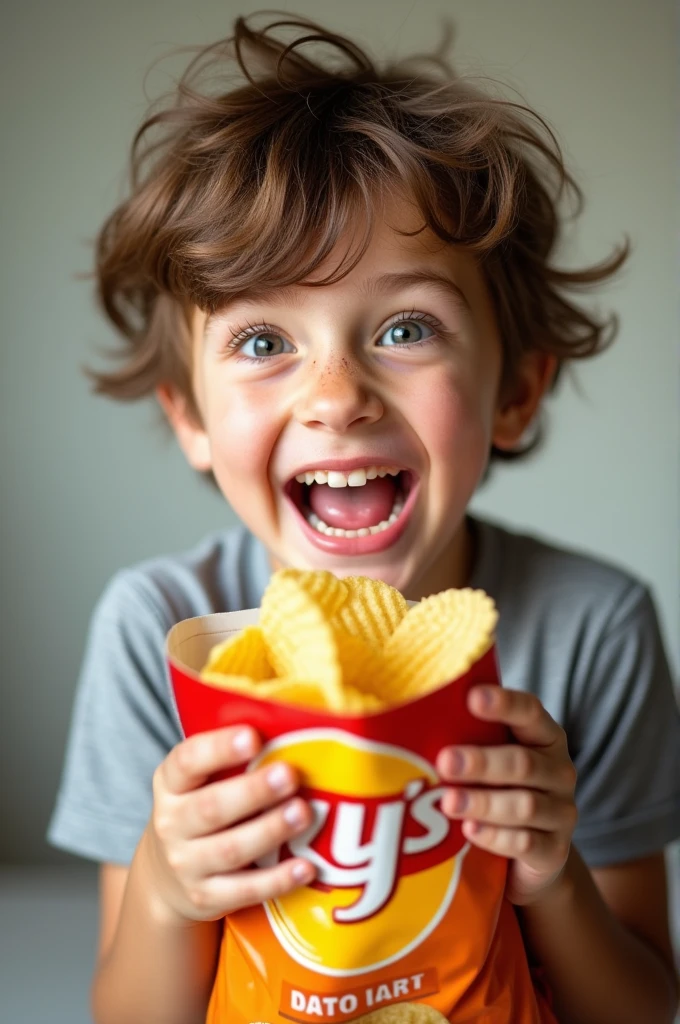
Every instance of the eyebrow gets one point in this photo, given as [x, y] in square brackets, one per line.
[383, 284]
[386, 283]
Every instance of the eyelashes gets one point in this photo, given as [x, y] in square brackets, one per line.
[240, 334]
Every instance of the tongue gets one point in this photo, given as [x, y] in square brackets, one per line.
[354, 508]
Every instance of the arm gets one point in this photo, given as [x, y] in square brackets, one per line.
[607, 956]
[161, 920]
[149, 968]
[610, 959]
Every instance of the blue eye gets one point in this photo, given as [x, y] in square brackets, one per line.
[405, 332]
[263, 344]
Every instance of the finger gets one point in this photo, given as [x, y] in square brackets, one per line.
[514, 808]
[194, 760]
[522, 712]
[540, 851]
[511, 765]
[238, 847]
[249, 888]
[220, 804]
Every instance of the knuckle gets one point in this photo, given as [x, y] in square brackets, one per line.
[198, 897]
[523, 764]
[163, 825]
[478, 805]
[478, 761]
[158, 781]
[569, 772]
[524, 842]
[535, 710]
[229, 852]
[184, 757]
[208, 806]
[176, 860]
[527, 806]
[257, 784]
[250, 892]
[571, 816]
[256, 794]
[491, 836]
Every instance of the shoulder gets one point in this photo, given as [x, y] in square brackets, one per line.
[582, 634]
[562, 613]
[531, 576]
[225, 571]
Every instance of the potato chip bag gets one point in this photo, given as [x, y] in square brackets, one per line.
[406, 922]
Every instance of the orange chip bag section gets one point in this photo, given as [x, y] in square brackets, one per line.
[405, 921]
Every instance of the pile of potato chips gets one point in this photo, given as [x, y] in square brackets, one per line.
[351, 645]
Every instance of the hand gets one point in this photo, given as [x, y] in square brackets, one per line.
[516, 800]
[204, 836]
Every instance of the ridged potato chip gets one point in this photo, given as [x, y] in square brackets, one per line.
[352, 645]
[286, 690]
[243, 684]
[438, 640]
[242, 655]
[359, 702]
[299, 637]
[372, 609]
[363, 669]
[329, 592]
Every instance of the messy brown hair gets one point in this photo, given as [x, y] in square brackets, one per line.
[242, 185]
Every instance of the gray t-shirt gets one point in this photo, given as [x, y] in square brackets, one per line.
[580, 634]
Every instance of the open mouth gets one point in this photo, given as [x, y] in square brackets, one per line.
[356, 511]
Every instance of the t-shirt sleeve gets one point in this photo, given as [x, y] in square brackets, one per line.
[124, 723]
[627, 743]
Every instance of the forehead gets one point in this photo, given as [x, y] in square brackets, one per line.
[399, 241]
[402, 253]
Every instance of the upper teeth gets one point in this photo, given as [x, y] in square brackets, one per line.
[355, 478]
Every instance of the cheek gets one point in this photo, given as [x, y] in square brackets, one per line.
[455, 416]
[243, 430]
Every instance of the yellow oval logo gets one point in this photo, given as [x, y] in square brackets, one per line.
[388, 860]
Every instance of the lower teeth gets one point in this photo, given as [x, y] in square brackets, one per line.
[335, 531]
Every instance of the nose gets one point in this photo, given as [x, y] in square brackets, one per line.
[336, 398]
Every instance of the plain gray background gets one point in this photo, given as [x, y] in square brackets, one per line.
[88, 487]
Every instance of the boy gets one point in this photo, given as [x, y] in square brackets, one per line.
[337, 284]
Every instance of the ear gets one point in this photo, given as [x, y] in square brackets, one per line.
[518, 405]
[193, 439]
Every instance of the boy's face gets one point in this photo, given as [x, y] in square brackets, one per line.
[397, 366]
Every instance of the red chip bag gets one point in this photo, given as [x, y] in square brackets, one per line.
[406, 920]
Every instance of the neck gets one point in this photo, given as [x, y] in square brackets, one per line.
[453, 568]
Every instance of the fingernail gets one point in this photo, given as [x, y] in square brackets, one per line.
[485, 696]
[243, 742]
[302, 872]
[456, 763]
[278, 776]
[293, 814]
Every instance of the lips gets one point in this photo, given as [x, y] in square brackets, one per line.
[367, 539]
